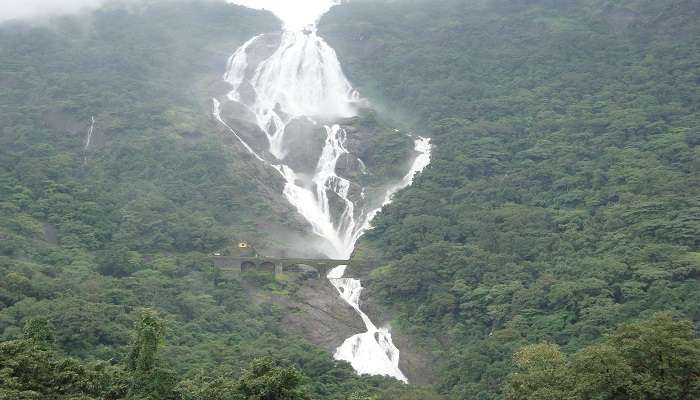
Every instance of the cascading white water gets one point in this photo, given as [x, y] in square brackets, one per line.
[372, 352]
[302, 80]
[88, 139]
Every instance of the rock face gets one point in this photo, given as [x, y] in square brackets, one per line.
[415, 360]
[317, 313]
[304, 141]
[243, 121]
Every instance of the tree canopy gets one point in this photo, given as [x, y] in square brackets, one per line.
[562, 199]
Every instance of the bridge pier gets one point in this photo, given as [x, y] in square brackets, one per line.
[279, 268]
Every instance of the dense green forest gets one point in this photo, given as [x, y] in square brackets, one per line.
[563, 197]
[153, 179]
[89, 238]
[550, 251]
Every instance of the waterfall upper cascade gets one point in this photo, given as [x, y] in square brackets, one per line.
[279, 83]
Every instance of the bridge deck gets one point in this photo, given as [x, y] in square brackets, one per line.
[285, 261]
[236, 265]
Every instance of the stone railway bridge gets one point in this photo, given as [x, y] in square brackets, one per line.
[277, 266]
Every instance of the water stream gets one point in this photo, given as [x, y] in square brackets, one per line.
[88, 139]
[301, 81]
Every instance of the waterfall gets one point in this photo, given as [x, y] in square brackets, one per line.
[301, 81]
[88, 139]
[372, 352]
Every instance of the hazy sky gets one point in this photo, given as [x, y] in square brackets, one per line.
[296, 14]
[29, 9]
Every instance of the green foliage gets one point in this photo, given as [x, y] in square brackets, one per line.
[360, 396]
[157, 175]
[40, 332]
[562, 199]
[543, 376]
[89, 237]
[654, 359]
[31, 372]
[149, 380]
[264, 380]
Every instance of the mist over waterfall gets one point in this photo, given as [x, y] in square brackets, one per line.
[288, 104]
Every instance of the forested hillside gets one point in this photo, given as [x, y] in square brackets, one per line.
[154, 177]
[106, 289]
[562, 200]
[550, 251]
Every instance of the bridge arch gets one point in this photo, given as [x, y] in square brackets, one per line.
[267, 266]
[305, 269]
[275, 266]
[248, 266]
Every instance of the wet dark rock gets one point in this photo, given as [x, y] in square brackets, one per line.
[350, 167]
[304, 141]
[243, 121]
[219, 88]
[415, 360]
[261, 50]
[304, 271]
[247, 93]
[315, 312]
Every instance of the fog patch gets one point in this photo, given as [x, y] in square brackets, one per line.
[23, 10]
[44, 10]
[296, 15]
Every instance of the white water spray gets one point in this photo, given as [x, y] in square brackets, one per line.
[372, 352]
[302, 80]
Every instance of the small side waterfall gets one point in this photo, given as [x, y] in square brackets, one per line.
[300, 81]
[88, 139]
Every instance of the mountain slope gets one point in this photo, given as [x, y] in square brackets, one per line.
[99, 222]
[563, 195]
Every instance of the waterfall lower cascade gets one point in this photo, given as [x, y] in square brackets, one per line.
[290, 90]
